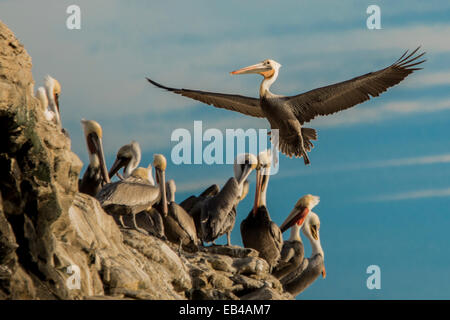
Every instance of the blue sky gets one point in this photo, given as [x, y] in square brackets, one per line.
[381, 169]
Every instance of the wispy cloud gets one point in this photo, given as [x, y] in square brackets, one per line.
[430, 79]
[370, 114]
[410, 195]
[400, 162]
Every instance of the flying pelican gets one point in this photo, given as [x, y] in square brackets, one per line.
[135, 193]
[179, 226]
[293, 252]
[297, 281]
[258, 231]
[218, 213]
[53, 91]
[96, 174]
[42, 96]
[289, 113]
[128, 158]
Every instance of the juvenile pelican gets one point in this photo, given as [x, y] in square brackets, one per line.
[218, 213]
[258, 231]
[42, 96]
[289, 113]
[96, 174]
[179, 226]
[135, 193]
[189, 203]
[53, 91]
[128, 158]
[293, 252]
[297, 281]
[193, 206]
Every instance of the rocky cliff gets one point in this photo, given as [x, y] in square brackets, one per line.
[56, 243]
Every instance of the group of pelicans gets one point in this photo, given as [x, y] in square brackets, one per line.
[139, 201]
[143, 203]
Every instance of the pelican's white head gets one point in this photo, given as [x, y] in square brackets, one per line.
[268, 69]
[128, 157]
[243, 165]
[311, 229]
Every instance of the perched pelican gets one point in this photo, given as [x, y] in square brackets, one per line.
[179, 226]
[289, 113]
[293, 252]
[128, 158]
[258, 231]
[135, 193]
[53, 91]
[218, 213]
[42, 96]
[193, 206]
[297, 281]
[96, 174]
[189, 203]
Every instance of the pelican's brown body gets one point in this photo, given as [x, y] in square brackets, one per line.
[259, 232]
[179, 226]
[291, 258]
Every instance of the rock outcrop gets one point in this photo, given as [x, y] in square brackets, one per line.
[56, 243]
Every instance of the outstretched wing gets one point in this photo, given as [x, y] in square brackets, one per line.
[344, 95]
[233, 102]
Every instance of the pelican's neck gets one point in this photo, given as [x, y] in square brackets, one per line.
[129, 169]
[265, 176]
[295, 233]
[267, 82]
[133, 164]
[316, 247]
[94, 160]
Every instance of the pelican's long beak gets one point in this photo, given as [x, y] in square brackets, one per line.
[324, 272]
[117, 165]
[297, 216]
[101, 157]
[256, 68]
[161, 180]
[257, 191]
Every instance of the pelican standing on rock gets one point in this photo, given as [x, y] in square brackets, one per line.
[189, 203]
[135, 193]
[179, 226]
[53, 91]
[289, 113]
[218, 213]
[312, 267]
[258, 231]
[128, 157]
[41, 95]
[293, 252]
[96, 174]
[193, 205]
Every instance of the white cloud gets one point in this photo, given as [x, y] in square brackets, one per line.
[391, 110]
[410, 195]
[430, 79]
